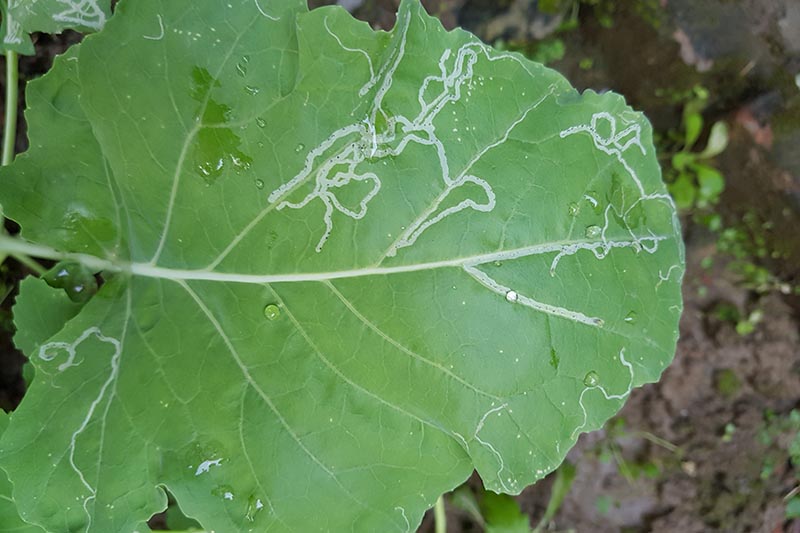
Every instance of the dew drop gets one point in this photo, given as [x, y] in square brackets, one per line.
[593, 232]
[241, 162]
[591, 379]
[573, 209]
[272, 312]
[591, 198]
[59, 275]
[210, 170]
[76, 292]
[630, 318]
[223, 491]
[254, 505]
[261, 123]
[241, 67]
[252, 90]
[299, 148]
[260, 184]
[512, 296]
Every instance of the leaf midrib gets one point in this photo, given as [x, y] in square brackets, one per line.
[146, 270]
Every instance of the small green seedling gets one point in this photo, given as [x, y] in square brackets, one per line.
[500, 513]
[693, 180]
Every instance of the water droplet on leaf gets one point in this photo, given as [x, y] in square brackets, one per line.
[241, 66]
[211, 169]
[260, 184]
[512, 296]
[254, 505]
[241, 163]
[574, 209]
[252, 90]
[299, 148]
[630, 318]
[593, 232]
[261, 123]
[80, 292]
[591, 198]
[223, 491]
[591, 379]
[272, 312]
[58, 276]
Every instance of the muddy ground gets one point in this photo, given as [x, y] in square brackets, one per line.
[708, 447]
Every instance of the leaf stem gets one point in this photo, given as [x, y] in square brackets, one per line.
[440, 518]
[565, 475]
[16, 246]
[30, 263]
[10, 127]
[658, 441]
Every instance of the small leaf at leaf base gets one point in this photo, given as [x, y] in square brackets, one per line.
[72, 205]
[40, 312]
[177, 521]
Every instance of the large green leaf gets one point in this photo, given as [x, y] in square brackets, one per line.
[23, 17]
[344, 268]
